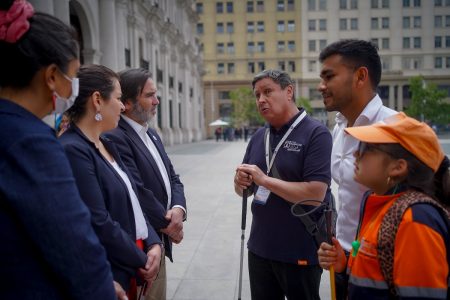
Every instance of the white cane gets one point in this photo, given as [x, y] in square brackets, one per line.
[244, 217]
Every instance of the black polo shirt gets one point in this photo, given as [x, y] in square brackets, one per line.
[304, 156]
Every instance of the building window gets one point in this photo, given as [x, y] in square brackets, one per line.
[438, 62]
[260, 26]
[437, 21]
[220, 68]
[447, 41]
[291, 46]
[280, 26]
[312, 66]
[261, 66]
[249, 6]
[374, 3]
[250, 27]
[311, 5]
[322, 24]
[406, 3]
[291, 26]
[280, 5]
[171, 82]
[354, 24]
[384, 23]
[291, 66]
[322, 4]
[447, 61]
[417, 22]
[230, 27]
[406, 22]
[261, 47]
[251, 67]
[437, 42]
[259, 6]
[312, 45]
[385, 3]
[280, 46]
[322, 44]
[417, 3]
[417, 42]
[374, 41]
[219, 7]
[224, 95]
[342, 24]
[385, 63]
[437, 2]
[229, 7]
[342, 4]
[374, 23]
[281, 66]
[220, 48]
[250, 47]
[200, 28]
[219, 28]
[230, 48]
[180, 87]
[385, 43]
[290, 5]
[312, 25]
[353, 4]
[447, 21]
[406, 43]
[199, 7]
[230, 68]
[127, 57]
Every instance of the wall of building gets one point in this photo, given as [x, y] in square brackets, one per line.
[155, 34]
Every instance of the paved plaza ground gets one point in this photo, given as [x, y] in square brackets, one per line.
[206, 263]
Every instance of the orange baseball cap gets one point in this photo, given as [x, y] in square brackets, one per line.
[416, 137]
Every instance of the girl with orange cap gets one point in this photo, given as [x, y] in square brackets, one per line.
[402, 245]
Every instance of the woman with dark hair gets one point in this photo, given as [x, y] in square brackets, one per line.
[105, 185]
[402, 246]
[49, 248]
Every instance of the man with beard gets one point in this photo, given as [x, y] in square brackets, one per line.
[143, 152]
[351, 72]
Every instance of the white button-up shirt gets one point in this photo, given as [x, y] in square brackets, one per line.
[350, 192]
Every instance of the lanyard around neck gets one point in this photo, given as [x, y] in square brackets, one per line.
[269, 164]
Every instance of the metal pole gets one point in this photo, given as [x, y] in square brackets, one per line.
[328, 218]
[244, 218]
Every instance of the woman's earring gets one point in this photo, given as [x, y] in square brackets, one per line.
[388, 180]
[98, 117]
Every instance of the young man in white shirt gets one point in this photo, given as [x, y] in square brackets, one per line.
[350, 74]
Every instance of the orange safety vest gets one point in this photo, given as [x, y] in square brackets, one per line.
[420, 253]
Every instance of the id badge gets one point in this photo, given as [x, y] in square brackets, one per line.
[261, 196]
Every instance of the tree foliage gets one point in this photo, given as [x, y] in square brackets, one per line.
[244, 112]
[305, 103]
[428, 102]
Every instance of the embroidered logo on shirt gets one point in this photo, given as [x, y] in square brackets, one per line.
[292, 146]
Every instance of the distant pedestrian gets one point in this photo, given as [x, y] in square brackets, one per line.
[218, 133]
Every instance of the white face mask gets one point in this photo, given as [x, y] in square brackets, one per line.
[62, 104]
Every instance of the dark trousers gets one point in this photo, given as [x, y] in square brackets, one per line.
[273, 280]
[341, 281]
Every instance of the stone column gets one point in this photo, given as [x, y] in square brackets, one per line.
[61, 8]
[45, 6]
[164, 105]
[400, 98]
[108, 34]
[391, 96]
[121, 15]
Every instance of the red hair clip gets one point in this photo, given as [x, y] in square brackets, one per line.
[14, 22]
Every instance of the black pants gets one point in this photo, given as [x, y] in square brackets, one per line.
[273, 280]
[341, 281]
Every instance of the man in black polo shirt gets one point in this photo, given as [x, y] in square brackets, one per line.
[286, 162]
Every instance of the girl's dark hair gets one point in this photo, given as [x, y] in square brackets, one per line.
[47, 41]
[93, 78]
[421, 177]
[132, 81]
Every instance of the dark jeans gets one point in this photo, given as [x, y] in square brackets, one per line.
[341, 281]
[273, 280]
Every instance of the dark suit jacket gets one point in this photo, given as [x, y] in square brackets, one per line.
[49, 249]
[107, 197]
[145, 172]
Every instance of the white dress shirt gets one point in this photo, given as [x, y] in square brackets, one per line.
[141, 225]
[142, 133]
[350, 192]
